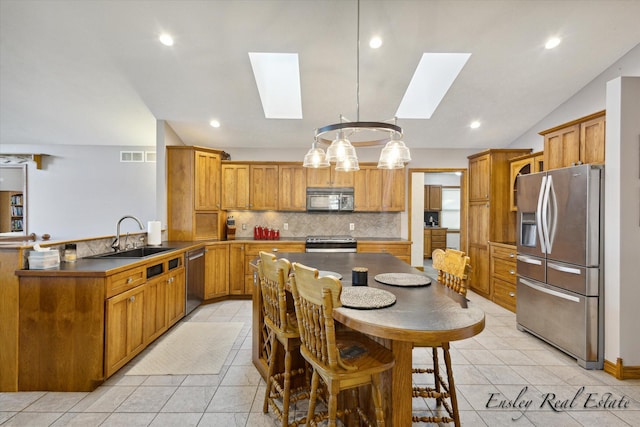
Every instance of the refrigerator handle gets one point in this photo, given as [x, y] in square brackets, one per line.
[564, 269]
[549, 291]
[545, 214]
[529, 260]
[539, 209]
[553, 212]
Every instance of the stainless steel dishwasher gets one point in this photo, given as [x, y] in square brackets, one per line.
[195, 279]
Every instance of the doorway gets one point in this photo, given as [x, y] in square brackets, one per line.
[453, 183]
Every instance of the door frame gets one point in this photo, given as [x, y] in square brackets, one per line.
[463, 199]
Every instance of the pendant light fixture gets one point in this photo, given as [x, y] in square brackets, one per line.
[341, 150]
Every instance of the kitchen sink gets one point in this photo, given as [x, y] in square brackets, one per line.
[142, 252]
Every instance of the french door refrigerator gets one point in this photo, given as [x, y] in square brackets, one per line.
[560, 260]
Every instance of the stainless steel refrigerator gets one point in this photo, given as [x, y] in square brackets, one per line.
[560, 260]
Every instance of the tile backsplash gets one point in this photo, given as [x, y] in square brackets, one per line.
[301, 224]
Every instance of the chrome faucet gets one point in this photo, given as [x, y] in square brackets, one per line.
[116, 243]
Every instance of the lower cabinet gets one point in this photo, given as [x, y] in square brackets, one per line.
[434, 238]
[216, 273]
[176, 296]
[155, 313]
[124, 328]
[399, 249]
[503, 274]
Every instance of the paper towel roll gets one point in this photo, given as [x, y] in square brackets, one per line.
[154, 233]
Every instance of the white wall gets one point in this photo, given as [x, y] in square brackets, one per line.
[81, 191]
[590, 99]
[622, 221]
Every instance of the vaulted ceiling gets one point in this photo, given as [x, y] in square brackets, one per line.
[93, 72]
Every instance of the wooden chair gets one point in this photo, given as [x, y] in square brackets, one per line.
[343, 358]
[453, 268]
[283, 332]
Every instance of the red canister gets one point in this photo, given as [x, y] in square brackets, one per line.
[256, 234]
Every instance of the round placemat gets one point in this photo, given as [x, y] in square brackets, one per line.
[366, 298]
[329, 273]
[403, 279]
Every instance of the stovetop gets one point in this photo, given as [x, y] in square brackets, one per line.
[330, 239]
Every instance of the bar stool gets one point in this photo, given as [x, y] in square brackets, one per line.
[343, 359]
[283, 332]
[453, 267]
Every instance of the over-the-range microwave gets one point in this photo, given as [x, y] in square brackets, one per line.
[330, 199]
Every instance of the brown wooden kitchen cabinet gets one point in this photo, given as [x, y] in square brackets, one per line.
[236, 269]
[489, 216]
[434, 238]
[155, 312]
[367, 189]
[235, 186]
[577, 142]
[399, 249]
[124, 328]
[329, 177]
[393, 189]
[292, 187]
[216, 276]
[523, 165]
[250, 186]
[433, 198]
[193, 194]
[503, 274]
[176, 295]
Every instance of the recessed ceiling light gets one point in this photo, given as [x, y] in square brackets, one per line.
[214, 123]
[474, 124]
[375, 42]
[278, 79]
[552, 42]
[166, 39]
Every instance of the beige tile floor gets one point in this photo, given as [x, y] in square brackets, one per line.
[500, 362]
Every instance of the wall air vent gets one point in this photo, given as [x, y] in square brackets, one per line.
[132, 156]
[150, 156]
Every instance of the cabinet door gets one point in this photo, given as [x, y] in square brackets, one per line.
[319, 177]
[342, 179]
[207, 176]
[479, 225]
[479, 279]
[235, 186]
[479, 177]
[427, 244]
[434, 201]
[155, 312]
[562, 148]
[517, 168]
[124, 328]
[367, 189]
[393, 188]
[176, 295]
[264, 187]
[292, 188]
[592, 144]
[236, 269]
[216, 276]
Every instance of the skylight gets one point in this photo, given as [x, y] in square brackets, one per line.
[278, 78]
[432, 79]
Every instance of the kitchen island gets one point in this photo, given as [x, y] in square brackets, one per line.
[421, 316]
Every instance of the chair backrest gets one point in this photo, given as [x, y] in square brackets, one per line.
[315, 298]
[273, 274]
[453, 269]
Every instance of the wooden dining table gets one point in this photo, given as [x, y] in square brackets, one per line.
[421, 316]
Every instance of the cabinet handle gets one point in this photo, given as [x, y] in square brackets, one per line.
[512, 272]
[132, 298]
[170, 280]
[274, 249]
[511, 255]
[129, 280]
[512, 294]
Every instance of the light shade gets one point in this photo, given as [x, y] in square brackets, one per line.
[394, 155]
[340, 149]
[315, 158]
[348, 164]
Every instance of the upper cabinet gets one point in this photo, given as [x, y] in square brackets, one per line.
[292, 188]
[329, 177]
[577, 142]
[193, 193]
[367, 189]
[393, 189]
[433, 198]
[249, 186]
[523, 165]
[479, 177]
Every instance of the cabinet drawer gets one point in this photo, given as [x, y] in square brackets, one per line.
[438, 240]
[397, 250]
[503, 252]
[504, 270]
[125, 280]
[504, 294]
[439, 234]
[273, 246]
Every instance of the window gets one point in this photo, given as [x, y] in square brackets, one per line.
[450, 215]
